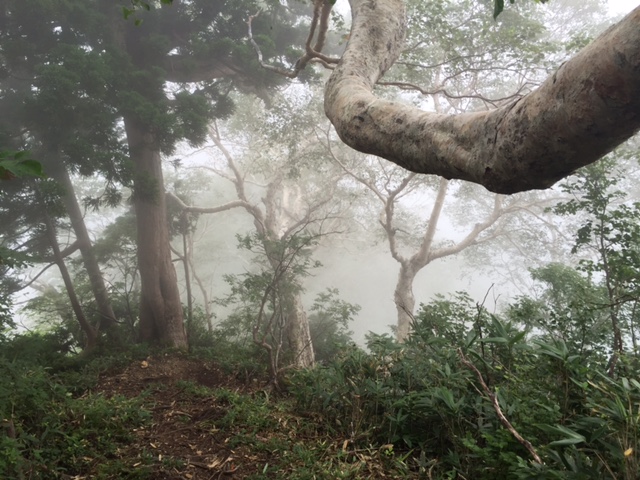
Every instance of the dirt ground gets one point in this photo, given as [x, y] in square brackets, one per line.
[182, 441]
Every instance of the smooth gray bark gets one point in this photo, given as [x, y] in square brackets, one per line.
[583, 111]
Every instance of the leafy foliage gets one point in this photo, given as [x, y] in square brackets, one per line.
[419, 397]
[610, 231]
[498, 6]
[329, 323]
[264, 299]
[18, 164]
[45, 430]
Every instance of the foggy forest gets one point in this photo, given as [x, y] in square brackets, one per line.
[319, 239]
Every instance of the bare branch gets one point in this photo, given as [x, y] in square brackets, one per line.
[491, 101]
[496, 406]
[472, 236]
[422, 256]
[219, 208]
[30, 282]
[320, 21]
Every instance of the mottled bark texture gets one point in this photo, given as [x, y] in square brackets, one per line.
[160, 307]
[405, 300]
[588, 107]
[299, 333]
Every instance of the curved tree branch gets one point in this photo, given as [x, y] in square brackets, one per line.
[220, 208]
[587, 108]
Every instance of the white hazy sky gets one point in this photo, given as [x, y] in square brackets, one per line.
[622, 6]
[615, 6]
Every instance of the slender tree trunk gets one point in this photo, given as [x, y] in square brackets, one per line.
[205, 295]
[618, 345]
[90, 333]
[161, 319]
[405, 300]
[187, 275]
[98, 287]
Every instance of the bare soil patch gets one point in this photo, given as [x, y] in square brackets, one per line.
[182, 440]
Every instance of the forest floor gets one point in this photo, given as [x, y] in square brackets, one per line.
[208, 424]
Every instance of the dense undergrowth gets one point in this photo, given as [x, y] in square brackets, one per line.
[433, 398]
[469, 396]
[51, 425]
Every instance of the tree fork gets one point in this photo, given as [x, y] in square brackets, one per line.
[90, 333]
[579, 114]
[96, 280]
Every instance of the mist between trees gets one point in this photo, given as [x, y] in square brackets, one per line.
[169, 177]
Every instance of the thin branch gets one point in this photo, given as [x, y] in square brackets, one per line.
[496, 406]
[219, 208]
[472, 236]
[320, 21]
[411, 86]
[30, 282]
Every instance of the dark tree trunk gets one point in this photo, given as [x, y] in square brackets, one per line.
[98, 287]
[186, 255]
[90, 332]
[161, 319]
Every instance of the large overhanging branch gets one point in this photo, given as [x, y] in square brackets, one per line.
[587, 108]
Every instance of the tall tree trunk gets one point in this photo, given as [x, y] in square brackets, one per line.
[186, 255]
[90, 333]
[298, 333]
[161, 319]
[98, 287]
[405, 300]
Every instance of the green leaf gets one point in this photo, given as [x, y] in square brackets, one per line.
[498, 8]
[571, 437]
[495, 340]
[567, 441]
[19, 168]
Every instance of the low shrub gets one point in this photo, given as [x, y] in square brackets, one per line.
[433, 399]
[47, 432]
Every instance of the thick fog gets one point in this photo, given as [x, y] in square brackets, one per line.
[267, 163]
